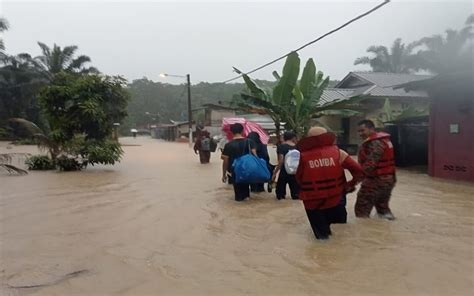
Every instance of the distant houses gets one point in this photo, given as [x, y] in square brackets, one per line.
[375, 96]
[430, 118]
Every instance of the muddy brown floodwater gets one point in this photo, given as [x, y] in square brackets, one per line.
[159, 223]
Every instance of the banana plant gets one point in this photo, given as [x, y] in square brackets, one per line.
[292, 101]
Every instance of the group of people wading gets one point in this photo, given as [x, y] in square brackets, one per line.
[319, 179]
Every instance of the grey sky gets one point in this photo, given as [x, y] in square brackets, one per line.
[206, 39]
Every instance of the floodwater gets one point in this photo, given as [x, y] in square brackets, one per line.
[159, 223]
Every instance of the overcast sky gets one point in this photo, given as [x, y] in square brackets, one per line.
[206, 39]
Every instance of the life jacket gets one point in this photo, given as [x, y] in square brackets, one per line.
[386, 164]
[320, 174]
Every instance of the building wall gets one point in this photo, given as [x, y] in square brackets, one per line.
[332, 122]
[451, 153]
[218, 115]
[378, 114]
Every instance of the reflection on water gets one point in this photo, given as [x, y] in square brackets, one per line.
[161, 223]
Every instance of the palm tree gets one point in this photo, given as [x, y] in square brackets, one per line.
[3, 27]
[398, 60]
[57, 59]
[20, 82]
[449, 54]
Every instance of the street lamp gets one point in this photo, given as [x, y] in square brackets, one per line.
[190, 115]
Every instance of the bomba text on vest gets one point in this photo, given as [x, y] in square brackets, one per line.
[322, 162]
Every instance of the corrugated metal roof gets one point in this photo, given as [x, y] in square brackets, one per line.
[265, 121]
[332, 95]
[391, 92]
[390, 79]
[382, 85]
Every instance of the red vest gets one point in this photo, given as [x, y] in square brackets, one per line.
[386, 164]
[322, 177]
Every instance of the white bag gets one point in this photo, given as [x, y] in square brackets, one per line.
[292, 160]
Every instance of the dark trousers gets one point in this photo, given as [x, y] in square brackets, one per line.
[204, 156]
[283, 180]
[241, 190]
[321, 220]
[258, 187]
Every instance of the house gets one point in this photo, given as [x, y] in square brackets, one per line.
[375, 97]
[265, 121]
[451, 124]
[209, 117]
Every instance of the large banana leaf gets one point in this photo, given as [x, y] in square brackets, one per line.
[276, 75]
[282, 92]
[261, 104]
[308, 78]
[299, 100]
[254, 88]
[387, 108]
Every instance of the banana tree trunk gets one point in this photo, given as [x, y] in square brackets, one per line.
[278, 130]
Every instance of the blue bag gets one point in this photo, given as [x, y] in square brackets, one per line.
[250, 169]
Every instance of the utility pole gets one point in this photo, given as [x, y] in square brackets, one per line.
[190, 112]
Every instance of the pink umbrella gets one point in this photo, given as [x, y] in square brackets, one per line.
[249, 126]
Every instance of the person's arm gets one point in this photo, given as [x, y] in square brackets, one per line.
[265, 155]
[253, 147]
[197, 145]
[299, 172]
[281, 159]
[225, 162]
[354, 168]
[376, 150]
[225, 165]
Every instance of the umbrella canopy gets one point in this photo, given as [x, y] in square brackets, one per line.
[133, 130]
[249, 126]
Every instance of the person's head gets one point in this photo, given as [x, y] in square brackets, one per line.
[236, 129]
[366, 128]
[254, 136]
[289, 136]
[316, 131]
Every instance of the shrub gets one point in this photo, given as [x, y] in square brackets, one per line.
[40, 163]
[70, 163]
[102, 152]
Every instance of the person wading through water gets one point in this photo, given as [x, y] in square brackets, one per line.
[289, 143]
[322, 181]
[262, 152]
[376, 157]
[203, 147]
[236, 148]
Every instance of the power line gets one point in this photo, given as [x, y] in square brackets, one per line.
[313, 41]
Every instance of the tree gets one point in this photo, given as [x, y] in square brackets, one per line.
[449, 54]
[81, 111]
[3, 27]
[57, 59]
[399, 60]
[292, 102]
[19, 85]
